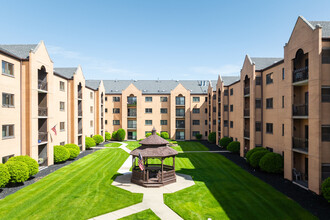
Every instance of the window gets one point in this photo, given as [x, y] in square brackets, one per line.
[258, 126]
[205, 110]
[205, 99]
[325, 92]
[106, 110]
[231, 91]
[62, 126]
[163, 122]
[62, 86]
[214, 122]
[148, 110]
[283, 74]
[195, 122]
[269, 128]
[325, 129]
[163, 110]
[194, 133]
[163, 99]
[91, 95]
[282, 101]
[326, 56]
[7, 131]
[205, 122]
[231, 108]
[214, 97]
[148, 99]
[214, 109]
[258, 103]
[269, 103]
[62, 143]
[231, 124]
[225, 123]
[205, 133]
[7, 68]
[225, 108]
[282, 129]
[269, 78]
[325, 170]
[91, 123]
[116, 110]
[196, 111]
[7, 100]
[258, 80]
[148, 122]
[195, 99]
[106, 122]
[179, 100]
[131, 123]
[106, 99]
[62, 106]
[116, 122]
[116, 99]
[179, 112]
[91, 109]
[225, 93]
[6, 158]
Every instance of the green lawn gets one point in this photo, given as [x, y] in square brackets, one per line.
[144, 215]
[190, 146]
[225, 191]
[132, 144]
[112, 145]
[81, 190]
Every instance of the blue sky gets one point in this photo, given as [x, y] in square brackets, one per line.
[172, 39]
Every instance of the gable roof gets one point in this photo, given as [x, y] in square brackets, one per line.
[93, 84]
[21, 51]
[66, 72]
[263, 62]
[228, 80]
[325, 27]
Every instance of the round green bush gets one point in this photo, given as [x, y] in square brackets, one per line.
[271, 163]
[250, 152]
[61, 154]
[4, 175]
[225, 141]
[19, 171]
[256, 157]
[198, 136]
[148, 134]
[74, 150]
[157, 134]
[31, 163]
[121, 134]
[212, 137]
[107, 136]
[233, 147]
[98, 139]
[326, 189]
[164, 135]
[89, 142]
[114, 135]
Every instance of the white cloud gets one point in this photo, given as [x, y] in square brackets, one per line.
[226, 70]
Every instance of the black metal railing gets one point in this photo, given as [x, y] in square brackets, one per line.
[79, 112]
[219, 114]
[300, 74]
[246, 133]
[102, 114]
[300, 110]
[133, 115]
[42, 111]
[42, 136]
[131, 102]
[246, 112]
[300, 144]
[325, 97]
[247, 91]
[80, 130]
[80, 94]
[42, 85]
[180, 124]
[219, 99]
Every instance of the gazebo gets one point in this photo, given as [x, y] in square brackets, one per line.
[154, 174]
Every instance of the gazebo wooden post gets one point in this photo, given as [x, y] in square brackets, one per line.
[174, 162]
[145, 168]
[133, 163]
[162, 169]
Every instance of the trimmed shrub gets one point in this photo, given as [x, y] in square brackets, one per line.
[271, 163]
[198, 136]
[158, 134]
[32, 164]
[121, 134]
[89, 142]
[256, 157]
[4, 175]
[74, 150]
[164, 135]
[19, 171]
[325, 188]
[233, 147]
[114, 135]
[107, 136]
[212, 137]
[225, 141]
[250, 152]
[61, 154]
[148, 134]
[98, 139]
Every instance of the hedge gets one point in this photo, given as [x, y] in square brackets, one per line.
[61, 154]
[98, 139]
[212, 137]
[256, 157]
[233, 147]
[250, 152]
[32, 164]
[121, 134]
[89, 142]
[4, 175]
[271, 163]
[326, 189]
[164, 135]
[198, 136]
[107, 136]
[74, 150]
[148, 134]
[225, 141]
[114, 135]
[19, 171]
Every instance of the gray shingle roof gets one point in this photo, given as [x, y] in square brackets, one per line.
[325, 27]
[93, 84]
[66, 72]
[228, 80]
[19, 50]
[262, 62]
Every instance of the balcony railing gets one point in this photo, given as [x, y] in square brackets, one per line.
[131, 103]
[219, 99]
[247, 91]
[80, 94]
[42, 137]
[300, 110]
[180, 125]
[102, 114]
[300, 144]
[300, 74]
[42, 85]
[80, 130]
[219, 114]
[79, 112]
[131, 126]
[246, 112]
[132, 115]
[42, 111]
[246, 133]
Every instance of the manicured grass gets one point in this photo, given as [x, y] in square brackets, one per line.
[132, 144]
[81, 190]
[112, 145]
[190, 146]
[144, 215]
[225, 191]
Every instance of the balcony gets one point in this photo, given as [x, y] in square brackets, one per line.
[219, 100]
[102, 114]
[246, 134]
[42, 85]
[180, 124]
[219, 114]
[131, 115]
[42, 111]
[131, 101]
[42, 137]
[300, 110]
[300, 74]
[80, 113]
[80, 94]
[246, 91]
[80, 130]
[247, 112]
[300, 144]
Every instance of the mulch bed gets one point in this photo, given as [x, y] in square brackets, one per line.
[310, 201]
